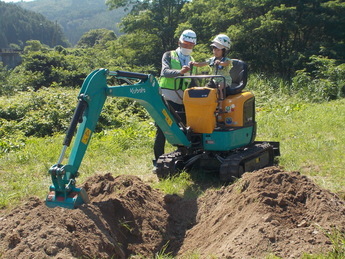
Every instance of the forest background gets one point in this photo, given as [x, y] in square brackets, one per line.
[295, 51]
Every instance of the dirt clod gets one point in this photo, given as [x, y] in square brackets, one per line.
[269, 211]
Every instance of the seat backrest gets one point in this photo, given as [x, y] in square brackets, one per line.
[239, 75]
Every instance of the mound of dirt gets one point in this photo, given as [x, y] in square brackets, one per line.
[268, 211]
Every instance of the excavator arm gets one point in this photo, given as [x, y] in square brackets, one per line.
[91, 99]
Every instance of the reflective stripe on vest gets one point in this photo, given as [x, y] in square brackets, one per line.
[169, 83]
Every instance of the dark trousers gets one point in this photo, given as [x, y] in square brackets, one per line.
[159, 144]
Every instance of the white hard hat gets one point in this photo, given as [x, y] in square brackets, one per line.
[221, 41]
[189, 36]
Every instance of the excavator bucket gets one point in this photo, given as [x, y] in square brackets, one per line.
[70, 200]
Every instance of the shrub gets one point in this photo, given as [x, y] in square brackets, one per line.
[322, 80]
[49, 111]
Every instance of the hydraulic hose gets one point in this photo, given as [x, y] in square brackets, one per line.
[82, 104]
[128, 74]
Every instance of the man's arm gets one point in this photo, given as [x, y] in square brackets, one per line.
[166, 70]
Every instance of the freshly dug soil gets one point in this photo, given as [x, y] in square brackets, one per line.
[269, 211]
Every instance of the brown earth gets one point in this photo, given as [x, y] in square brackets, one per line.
[266, 212]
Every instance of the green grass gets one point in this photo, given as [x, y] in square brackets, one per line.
[126, 150]
[311, 139]
[183, 185]
[310, 132]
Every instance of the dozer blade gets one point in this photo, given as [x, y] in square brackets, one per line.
[70, 200]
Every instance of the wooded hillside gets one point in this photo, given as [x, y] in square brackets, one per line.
[19, 25]
[77, 16]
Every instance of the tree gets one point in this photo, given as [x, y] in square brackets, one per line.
[4, 73]
[156, 17]
[35, 45]
[273, 35]
[44, 67]
[96, 37]
[135, 51]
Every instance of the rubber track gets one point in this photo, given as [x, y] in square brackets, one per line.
[230, 168]
[168, 164]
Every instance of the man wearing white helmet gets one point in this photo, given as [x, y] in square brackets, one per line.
[175, 63]
[219, 64]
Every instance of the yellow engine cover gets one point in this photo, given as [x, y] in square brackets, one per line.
[238, 110]
[200, 105]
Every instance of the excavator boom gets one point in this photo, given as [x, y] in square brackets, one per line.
[92, 96]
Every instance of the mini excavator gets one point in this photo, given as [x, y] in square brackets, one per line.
[218, 135]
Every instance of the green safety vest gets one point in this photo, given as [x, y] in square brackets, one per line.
[169, 83]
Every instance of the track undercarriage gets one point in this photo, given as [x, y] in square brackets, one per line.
[230, 165]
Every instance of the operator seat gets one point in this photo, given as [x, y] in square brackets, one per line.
[239, 75]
